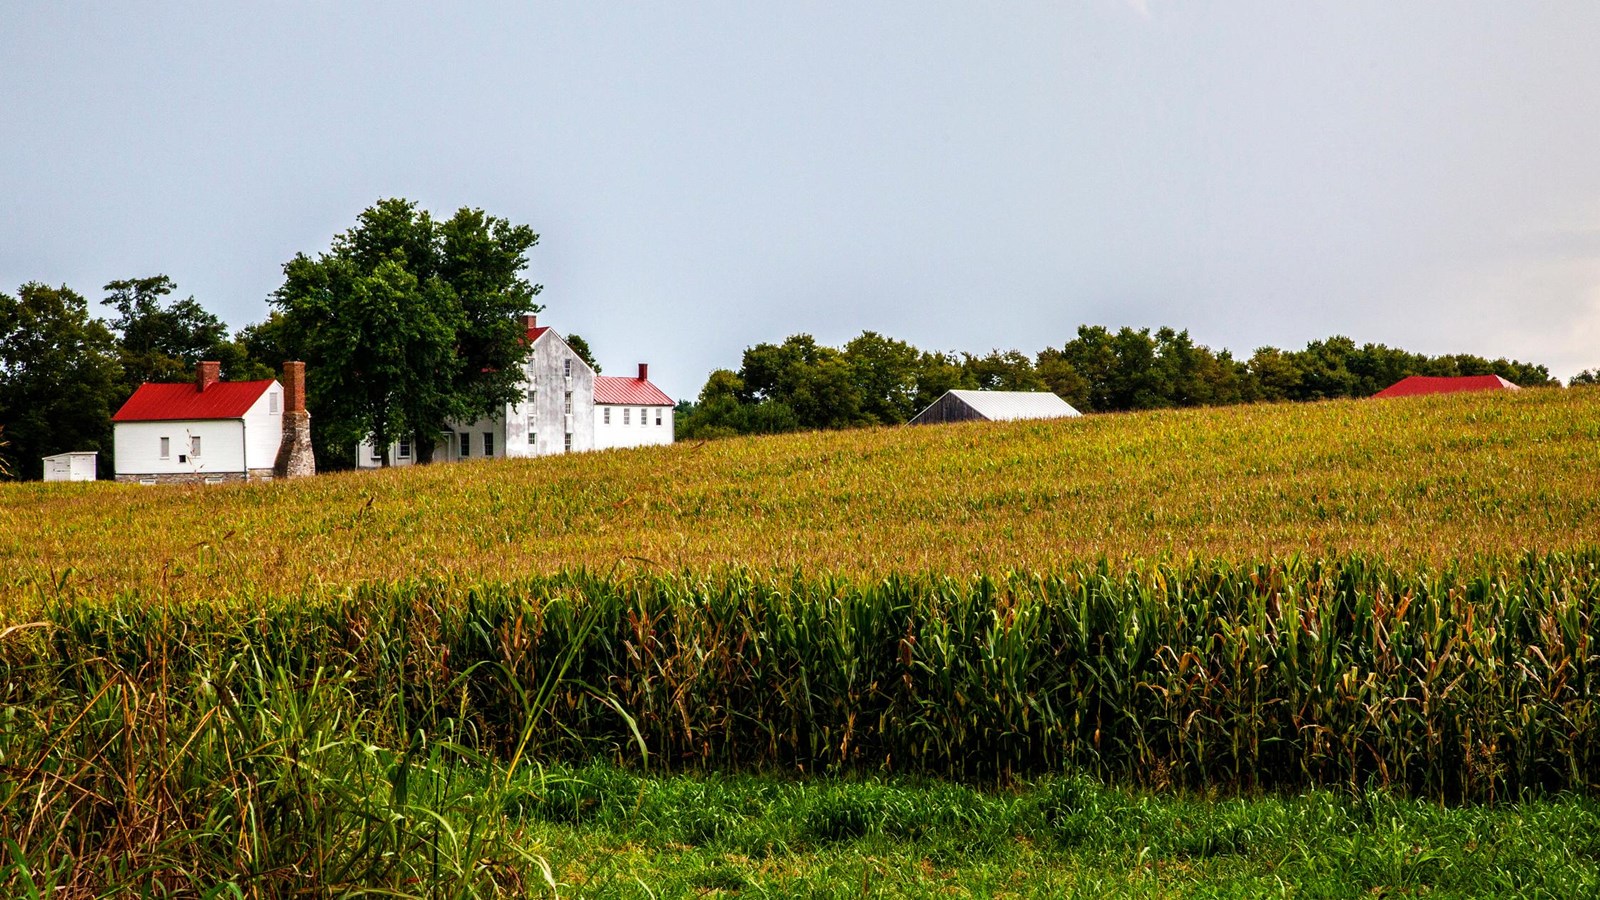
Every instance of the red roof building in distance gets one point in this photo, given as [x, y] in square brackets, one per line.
[534, 329]
[209, 430]
[1417, 385]
[639, 391]
[171, 402]
[630, 412]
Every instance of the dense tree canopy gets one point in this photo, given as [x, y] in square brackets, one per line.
[406, 324]
[158, 342]
[60, 379]
[877, 380]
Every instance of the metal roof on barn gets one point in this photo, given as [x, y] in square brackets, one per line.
[184, 401]
[1417, 385]
[616, 391]
[1005, 406]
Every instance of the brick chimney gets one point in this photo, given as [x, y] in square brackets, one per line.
[529, 323]
[294, 387]
[644, 371]
[295, 459]
[206, 374]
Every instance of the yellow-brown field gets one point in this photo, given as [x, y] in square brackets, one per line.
[1416, 480]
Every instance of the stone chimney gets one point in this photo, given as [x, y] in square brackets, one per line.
[294, 449]
[644, 371]
[206, 374]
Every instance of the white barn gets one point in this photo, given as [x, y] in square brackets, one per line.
[994, 406]
[75, 466]
[562, 407]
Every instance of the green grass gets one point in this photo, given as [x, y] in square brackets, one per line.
[618, 834]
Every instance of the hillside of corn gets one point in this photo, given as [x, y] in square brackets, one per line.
[1415, 481]
[1204, 653]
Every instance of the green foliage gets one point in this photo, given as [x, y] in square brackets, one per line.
[59, 377]
[407, 323]
[359, 742]
[876, 380]
[162, 343]
[1281, 675]
[581, 347]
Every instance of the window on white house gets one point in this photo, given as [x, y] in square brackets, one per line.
[625, 412]
[605, 416]
[532, 438]
[194, 445]
[404, 451]
[166, 448]
[567, 444]
[568, 371]
[488, 443]
[644, 418]
[569, 403]
[658, 417]
[465, 444]
[272, 401]
[533, 394]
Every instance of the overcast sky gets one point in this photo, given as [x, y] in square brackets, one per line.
[965, 176]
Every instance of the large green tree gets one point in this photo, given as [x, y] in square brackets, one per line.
[60, 379]
[406, 323]
[816, 382]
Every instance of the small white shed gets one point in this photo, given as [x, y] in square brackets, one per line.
[75, 466]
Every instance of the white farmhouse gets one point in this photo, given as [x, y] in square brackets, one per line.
[630, 412]
[562, 407]
[213, 431]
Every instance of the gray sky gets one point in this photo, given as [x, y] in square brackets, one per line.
[968, 176]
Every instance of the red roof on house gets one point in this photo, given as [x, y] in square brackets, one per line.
[167, 402]
[538, 332]
[1417, 385]
[628, 392]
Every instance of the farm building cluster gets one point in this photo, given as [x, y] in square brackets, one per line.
[211, 431]
[563, 406]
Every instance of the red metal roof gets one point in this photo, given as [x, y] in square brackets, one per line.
[535, 333]
[167, 402]
[628, 392]
[1417, 385]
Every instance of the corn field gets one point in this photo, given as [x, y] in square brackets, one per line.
[1478, 681]
[1426, 480]
[363, 681]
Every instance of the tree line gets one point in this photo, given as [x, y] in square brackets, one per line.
[876, 380]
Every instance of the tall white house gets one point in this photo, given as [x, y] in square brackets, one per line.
[562, 407]
[213, 431]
